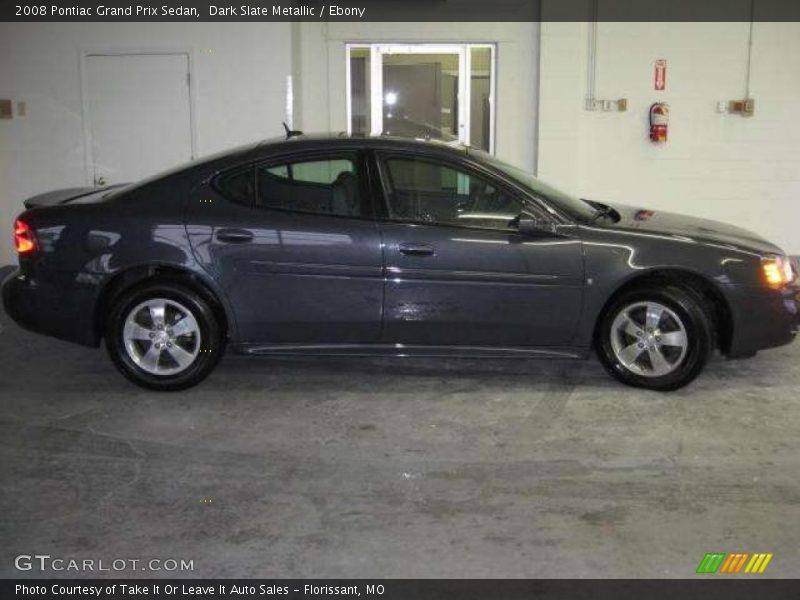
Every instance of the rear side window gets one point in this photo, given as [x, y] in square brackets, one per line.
[238, 186]
[325, 187]
[329, 186]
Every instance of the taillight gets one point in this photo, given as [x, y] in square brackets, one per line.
[24, 237]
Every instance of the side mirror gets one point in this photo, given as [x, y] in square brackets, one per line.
[532, 225]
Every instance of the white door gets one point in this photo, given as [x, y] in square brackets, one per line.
[139, 115]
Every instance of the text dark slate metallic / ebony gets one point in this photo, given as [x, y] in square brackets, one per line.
[366, 246]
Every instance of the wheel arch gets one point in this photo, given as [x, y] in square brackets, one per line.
[133, 276]
[713, 300]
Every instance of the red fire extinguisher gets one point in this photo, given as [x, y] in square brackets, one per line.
[659, 122]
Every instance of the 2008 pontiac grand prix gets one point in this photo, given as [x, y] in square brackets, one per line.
[363, 246]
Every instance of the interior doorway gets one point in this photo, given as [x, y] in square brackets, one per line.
[441, 91]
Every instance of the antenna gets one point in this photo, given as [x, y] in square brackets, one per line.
[290, 133]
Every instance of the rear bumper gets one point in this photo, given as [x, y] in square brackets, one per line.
[62, 311]
[763, 319]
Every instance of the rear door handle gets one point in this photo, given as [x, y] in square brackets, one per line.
[234, 236]
[409, 249]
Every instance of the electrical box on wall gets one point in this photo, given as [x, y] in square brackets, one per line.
[619, 105]
[5, 109]
[745, 107]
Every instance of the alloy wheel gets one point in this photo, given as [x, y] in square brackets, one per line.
[161, 336]
[649, 339]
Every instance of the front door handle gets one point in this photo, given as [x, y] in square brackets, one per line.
[409, 249]
[234, 236]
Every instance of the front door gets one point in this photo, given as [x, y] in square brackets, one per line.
[459, 274]
[296, 248]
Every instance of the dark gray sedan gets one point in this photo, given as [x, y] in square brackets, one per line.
[367, 246]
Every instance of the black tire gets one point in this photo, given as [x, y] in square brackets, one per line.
[694, 318]
[208, 349]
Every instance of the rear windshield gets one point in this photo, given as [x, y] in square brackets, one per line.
[116, 191]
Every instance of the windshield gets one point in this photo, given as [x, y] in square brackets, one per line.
[574, 207]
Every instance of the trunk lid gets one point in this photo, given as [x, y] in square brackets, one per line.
[81, 195]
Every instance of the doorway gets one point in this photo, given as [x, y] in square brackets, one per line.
[440, 91]
[137, 115]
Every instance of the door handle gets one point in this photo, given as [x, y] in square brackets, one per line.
[408, 249]
[234, 236]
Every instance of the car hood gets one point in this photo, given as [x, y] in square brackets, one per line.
[698, 229]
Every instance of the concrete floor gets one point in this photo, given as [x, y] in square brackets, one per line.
[386, 468]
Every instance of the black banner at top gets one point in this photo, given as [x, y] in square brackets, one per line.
[400, 10]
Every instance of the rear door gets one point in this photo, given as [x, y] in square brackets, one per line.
[459, 273]
[294, 243]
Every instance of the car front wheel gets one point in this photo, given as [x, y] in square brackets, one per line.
[163, 336]
[655, 338]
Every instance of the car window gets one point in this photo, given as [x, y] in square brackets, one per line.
[575, 207]
[427, 191]
[328, 187]
[238, 186]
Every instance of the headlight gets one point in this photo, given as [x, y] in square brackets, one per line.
[778, 271]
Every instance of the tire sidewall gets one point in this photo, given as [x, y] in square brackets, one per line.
[698, 332]
[210, 348]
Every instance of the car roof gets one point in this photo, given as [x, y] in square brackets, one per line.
[328, 140]
[267, 148]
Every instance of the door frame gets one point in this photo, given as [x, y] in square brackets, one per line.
[463, 50]
[83, 56]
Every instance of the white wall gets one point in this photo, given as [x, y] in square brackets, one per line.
[239, 72]
[745, 171]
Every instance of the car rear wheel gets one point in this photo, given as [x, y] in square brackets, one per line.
[655, 338]
[163, 336]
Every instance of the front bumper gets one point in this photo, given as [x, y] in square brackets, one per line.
[62, 311]
[763, 318]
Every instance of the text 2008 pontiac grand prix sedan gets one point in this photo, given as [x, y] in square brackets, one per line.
[364, 246]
